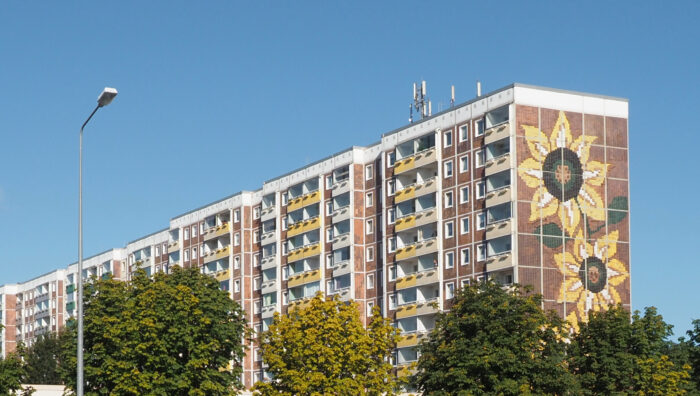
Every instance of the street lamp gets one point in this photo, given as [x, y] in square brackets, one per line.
[103, 100]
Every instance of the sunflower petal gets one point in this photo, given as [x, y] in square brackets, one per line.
[620, 269]
[582, 147]
[531, 172]
[592, 203]
[606, 247]
[615, 296]
[570, 216]
[561, 134]
[543, 204]
[594, 173]
[537, 142]
[563, 260]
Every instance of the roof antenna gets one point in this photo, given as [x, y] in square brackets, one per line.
[452, 100]
[478, 88]
[421, 103]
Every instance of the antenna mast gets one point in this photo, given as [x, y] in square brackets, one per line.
[421, 103]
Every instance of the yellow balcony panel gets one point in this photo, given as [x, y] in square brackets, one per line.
[412, 339]
[304, 278]
[405, 223]
[313, 250]
[217, 231]
[406, 252]
[301, 227]
[304, 252]
[222, 275]
[405, 282]
[405, 311]
[404, 165]
[405, 194]
[295, 255]
[217, 254]
[304, 200]
[173, 247]
[299, 304]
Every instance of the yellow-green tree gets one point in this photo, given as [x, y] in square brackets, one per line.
[660, 377]
[325, 349]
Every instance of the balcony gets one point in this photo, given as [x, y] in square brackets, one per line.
[425, 277]
[416, 220]
[417, 160]
[304, 200]
[213, 232]
[343, 294]
[303, 278]
[499, 262]
[299, 304]
[341, 187]
[499, 196]
[498, 229]
[268, 237]
[417, 308]
[341, 214]
[405, 370]
[310, 250]
[173, 247]
[268, 262]
[269, 286]
[268, 311]
[342, 241]
[415, 190]
[498, 164]
[342, 268]
[412, 339]
[267, 213]
[497, 133]
[303, 226]
[222, 275]
[217, 254]
[426, 246]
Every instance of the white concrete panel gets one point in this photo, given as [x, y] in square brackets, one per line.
[616, 108]
[593, 105]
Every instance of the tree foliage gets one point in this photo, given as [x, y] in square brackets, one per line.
[11, 371]
[495, 341]
[325, 349]
[616, 354]
[694, 352]
[42, 360]
[163, 335]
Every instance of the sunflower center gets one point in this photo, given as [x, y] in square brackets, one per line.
[593, 274]
[563, 174]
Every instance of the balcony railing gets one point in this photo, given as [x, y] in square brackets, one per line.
[217, 231]
[303, 226]
[416, 190]
[308, 250]
[420, 248]
[416, 160]
[305, 277]
[304, 200]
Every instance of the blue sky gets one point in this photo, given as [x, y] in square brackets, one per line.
[207, 89]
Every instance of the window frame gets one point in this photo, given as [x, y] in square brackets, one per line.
[465, 252]
[464, 160]
[462, 230]
[447, 261]
[445, 165]
[449, 229]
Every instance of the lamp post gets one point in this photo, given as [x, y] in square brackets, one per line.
[103, 100]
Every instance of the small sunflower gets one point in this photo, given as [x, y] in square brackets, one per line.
[562, 174]
[591, 276]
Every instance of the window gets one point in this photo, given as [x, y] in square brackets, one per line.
[449, 229]
[449, 260]
[285, 298]
[329, 182]
[236, 239]
[464, 133]
[464, 194]
[329, 208]
[448, 168]
[236, 215]
[370, 253]
[187, 233]
[256, 307]
[369, 201]
[391, 215]
[369, 172]
[465, 282]
[390, 187]
[370, 307]
[284, 223]
[392, 273]
[285, 198]
[391, 158]
[157, 250]
[194, 231]
[449, 290]
[256, 212]
[256, 259]
[448, 199]
[392, 301]
[237, 262]
[480, 252]
[187, 254]
[285, 272]
[464, 163]
[256, 236]
[391, 246]
[258, 357]
[481, 221]
[329, 261]
[480, 158]
[480, 189]
[237, 286]
[464, 225]
[465, 256]
[256, 283]
[480, 127]
[201, 251]
[370, 226]
[370, 281]
[448, 138]
[194, 253]
[329, 234]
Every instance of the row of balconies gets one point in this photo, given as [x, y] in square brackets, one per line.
[304, 200]
[303, 226]
[415, 190]
[416, 219]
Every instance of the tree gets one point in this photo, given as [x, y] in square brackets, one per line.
[170, 334]
[325, 349]
[41, 360]
[694, 352]
[495, 341]
[616, 354]
[11, 370]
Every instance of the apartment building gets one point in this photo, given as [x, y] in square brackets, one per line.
[524, 184]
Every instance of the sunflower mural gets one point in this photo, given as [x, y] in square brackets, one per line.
[565, 184]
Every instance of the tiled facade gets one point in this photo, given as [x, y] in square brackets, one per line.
[525, 184]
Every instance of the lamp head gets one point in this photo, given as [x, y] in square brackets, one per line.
[106, 96]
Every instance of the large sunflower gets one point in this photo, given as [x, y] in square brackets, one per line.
[562, 174]
[591, 276]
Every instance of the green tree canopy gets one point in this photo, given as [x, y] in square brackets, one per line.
[163, 335]
[11, 370]
[495, 341]
[324, 349]
[42, 360]
[614, 353]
